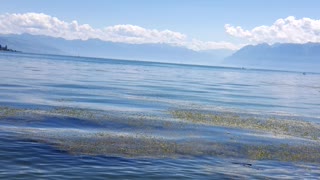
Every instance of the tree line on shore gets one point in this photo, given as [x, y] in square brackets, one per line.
[5, 48]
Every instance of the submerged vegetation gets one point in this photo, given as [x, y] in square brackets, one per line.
[268, 124]
[143, 145]
[135, 135]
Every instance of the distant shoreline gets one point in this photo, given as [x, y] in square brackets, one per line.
[6, 49]
[9, 50]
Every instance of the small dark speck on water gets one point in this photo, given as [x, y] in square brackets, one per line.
[243, 164]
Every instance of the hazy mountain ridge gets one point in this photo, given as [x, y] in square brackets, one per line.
[285, 56]
[97, 48]
[279, 50]
[25, 44]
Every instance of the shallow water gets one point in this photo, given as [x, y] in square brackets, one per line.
[83, 117]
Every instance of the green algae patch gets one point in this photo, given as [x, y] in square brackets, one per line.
[159, 148]
[18, 116]
[284, 152]
[123, 146]
[148, 146]
[104, 143]
[6, 112]
[73, 112]
[296, 128]
[139, 137]
[61, 115]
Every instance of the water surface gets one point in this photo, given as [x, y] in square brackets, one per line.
[74, 117]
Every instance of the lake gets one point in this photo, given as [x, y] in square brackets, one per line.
[76, 117]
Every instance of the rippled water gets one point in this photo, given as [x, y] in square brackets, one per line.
[69, 117]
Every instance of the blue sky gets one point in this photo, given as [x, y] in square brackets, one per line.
[203, 20]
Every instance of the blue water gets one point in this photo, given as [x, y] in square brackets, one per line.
[130, 91]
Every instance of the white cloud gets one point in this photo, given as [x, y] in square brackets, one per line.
[42, 24]
[288, 30]
[137, 35]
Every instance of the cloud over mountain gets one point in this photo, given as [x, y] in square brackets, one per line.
[43, 24]
[288, 30]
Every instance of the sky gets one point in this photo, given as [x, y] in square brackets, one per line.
[194, 24]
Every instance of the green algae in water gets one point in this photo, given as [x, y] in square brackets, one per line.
[151, 146]
[226, 119]
[148, 146]
[6, 112]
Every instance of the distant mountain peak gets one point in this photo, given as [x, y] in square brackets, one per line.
[287, 56]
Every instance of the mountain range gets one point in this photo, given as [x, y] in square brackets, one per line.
[280, 56]
[285, 56]
[102, 49]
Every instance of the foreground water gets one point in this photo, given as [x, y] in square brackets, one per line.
[72, 117]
